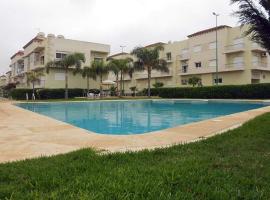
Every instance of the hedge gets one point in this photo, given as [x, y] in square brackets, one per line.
[20, 94]
[255, 91]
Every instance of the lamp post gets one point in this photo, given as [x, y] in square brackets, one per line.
[122, 47]
[216, 15]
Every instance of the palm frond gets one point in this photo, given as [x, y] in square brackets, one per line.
[257, 16]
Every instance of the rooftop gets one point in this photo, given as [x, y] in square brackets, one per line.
[208, 30]
[19, 53]
[118, 54]
[35, 39]
[155, 44]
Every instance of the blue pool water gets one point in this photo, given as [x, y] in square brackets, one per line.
[136, 117]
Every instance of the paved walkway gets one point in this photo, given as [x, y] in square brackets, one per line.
[24, 134]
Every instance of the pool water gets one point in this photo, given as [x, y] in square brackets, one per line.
[136, 117]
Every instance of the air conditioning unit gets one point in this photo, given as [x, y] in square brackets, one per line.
[264, 54]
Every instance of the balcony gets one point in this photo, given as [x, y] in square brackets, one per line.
[168, 60]
[35, 47]
[212, 69]
[260, 66]
[154, 74]
[235, 48]
[235, 65]
[184, 56]
[257, 48]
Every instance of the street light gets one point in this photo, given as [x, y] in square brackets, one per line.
[122, 47]
[216, 15]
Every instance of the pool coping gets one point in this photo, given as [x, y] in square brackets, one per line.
[38, 135]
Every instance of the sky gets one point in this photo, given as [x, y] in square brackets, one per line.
[129, 23]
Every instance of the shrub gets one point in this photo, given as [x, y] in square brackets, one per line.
[256, 91]
[20, 94]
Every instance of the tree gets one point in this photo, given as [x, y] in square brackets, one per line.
[121, 67]
[148, 59]
[114, 67]
[72, 61]
[257, 15]
[33, 77]
[100, 68]
[158, 85]
[194, 81]
[87, 72]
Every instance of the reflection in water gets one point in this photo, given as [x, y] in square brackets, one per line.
[135, 117]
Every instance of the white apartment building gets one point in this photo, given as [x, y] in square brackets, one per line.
[42, 49]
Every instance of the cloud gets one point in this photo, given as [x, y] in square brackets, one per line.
[117, 22]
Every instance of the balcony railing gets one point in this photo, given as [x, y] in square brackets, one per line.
[235, 65]
[260, 66]
[184, 56]
[257, 48]
[235, 48]
[154, 74]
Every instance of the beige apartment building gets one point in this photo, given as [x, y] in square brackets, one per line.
[240, 61]
[42, 49]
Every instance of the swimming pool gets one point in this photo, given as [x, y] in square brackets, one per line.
[136, 117]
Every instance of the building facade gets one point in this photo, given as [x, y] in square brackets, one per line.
[42, 49]
[240, 61]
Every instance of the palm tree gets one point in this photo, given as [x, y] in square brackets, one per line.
[87, 72]
[33, 77]
[99, 68]
[257, 15]
[122, 67]
[148, 59]
[68, 62]
[114, 67]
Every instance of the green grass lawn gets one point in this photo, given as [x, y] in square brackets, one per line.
[235, 165]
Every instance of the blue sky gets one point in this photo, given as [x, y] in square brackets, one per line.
[115, 22]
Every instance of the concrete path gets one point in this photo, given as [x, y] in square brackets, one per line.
[24, 134]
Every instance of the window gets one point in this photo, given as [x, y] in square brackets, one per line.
[60, 55]
[212, 45]
[42, 60]
[212, 63]
[169, 56]
[184, 81]
[184, 68]
[219, 80]
[197, 48]
[198, 64]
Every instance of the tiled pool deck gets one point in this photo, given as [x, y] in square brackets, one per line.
[24, 134]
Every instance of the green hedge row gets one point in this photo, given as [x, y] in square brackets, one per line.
[256, 91]
[20, 94]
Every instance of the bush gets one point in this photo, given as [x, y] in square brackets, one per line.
[256, 91]
[19, 94]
